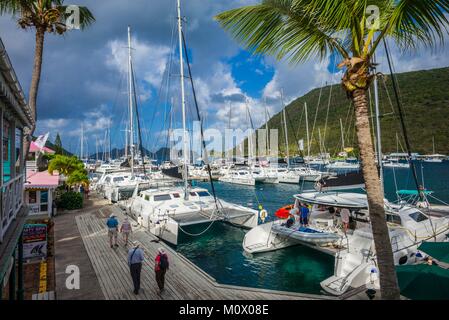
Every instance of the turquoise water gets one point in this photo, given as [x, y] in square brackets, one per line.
[219, 251]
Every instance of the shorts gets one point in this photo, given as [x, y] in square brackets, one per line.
[112, 232]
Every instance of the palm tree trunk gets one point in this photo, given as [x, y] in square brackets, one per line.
[388, 280]
[34, 87]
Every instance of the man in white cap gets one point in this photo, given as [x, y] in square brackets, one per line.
[112, 225]
[135, 259]
[126, 229]
[161, 267]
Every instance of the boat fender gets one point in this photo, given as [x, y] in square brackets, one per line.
[263, 215]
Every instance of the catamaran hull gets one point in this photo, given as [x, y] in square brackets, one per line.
[260, 239]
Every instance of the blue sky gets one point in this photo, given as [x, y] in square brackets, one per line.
[84, 73]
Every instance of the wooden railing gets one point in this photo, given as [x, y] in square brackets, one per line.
[11, 203]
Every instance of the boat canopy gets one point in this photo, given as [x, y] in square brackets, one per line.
[413, 192]
[437, 250]
[335, 199]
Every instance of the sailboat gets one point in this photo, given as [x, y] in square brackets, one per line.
[121, 180]
[296, 174]
[167, 211]
[434, 157]
[395, 161]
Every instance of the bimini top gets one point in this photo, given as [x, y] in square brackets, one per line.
[335, 199]
[413, 192]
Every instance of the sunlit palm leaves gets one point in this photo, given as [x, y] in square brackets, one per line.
[302, 29]
[50, 15]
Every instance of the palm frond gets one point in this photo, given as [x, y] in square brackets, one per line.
[281, 28]
[419, 22]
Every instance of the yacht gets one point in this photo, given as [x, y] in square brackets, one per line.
[166, 211]
[343, 165]
[395, 163]
[295, 175]
[435, 158]
[119, 185]
[353, 251]
[239, 176]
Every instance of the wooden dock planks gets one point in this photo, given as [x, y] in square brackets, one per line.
[184, 280]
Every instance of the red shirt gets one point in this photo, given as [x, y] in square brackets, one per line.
[157, 266]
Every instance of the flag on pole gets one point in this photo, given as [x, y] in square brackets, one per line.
[41, 140]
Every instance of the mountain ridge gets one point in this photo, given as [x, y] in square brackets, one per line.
[425, 99]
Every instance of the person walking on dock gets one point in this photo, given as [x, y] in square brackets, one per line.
[135, 259]
[161, 267]
[126, 229]
[112, 224]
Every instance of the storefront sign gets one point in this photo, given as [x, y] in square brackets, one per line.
[34, 209]
[34, 241]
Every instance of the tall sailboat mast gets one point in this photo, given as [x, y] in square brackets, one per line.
[433, 144]
[307, 131]
[267, 140]
[130, 95]
[183, 100]
[378, 131]
[342, 136]
[285, 129]
[82, 142]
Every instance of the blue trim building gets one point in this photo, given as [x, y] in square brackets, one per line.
[15, 117]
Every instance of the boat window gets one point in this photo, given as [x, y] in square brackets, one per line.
[393, 218]
[119, 179]
[204, 194]
[147, 198]
[418, 216]
[162, 197]
[176, 195]
[193, 194]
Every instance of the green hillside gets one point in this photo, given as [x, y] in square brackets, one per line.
[424, 96]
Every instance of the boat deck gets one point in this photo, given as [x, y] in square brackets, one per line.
[184, 280]
[208, 216]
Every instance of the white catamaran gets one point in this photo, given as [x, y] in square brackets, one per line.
[165, 211]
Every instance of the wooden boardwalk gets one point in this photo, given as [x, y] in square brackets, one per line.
[183, 280]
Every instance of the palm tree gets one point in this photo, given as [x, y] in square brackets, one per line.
[45, 16]
[301, 30]
[78, 177]
[65, 165]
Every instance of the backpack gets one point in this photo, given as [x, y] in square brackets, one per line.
[163, 262]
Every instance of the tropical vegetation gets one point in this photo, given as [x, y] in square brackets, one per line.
[72, 168]
[70, 201]
[43, 16]
[301, 30]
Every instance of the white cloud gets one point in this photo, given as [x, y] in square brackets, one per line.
[149, 61]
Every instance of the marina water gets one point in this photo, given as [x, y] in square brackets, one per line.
[219, 250]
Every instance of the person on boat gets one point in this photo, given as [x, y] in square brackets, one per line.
[112, 225]
[345, 214]
[160, 268]
[304, 215]
[135, 260]
[126, 229]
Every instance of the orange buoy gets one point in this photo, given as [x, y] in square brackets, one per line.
[284, 212]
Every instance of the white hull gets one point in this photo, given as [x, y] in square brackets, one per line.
[245, 182]
[165, 212]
